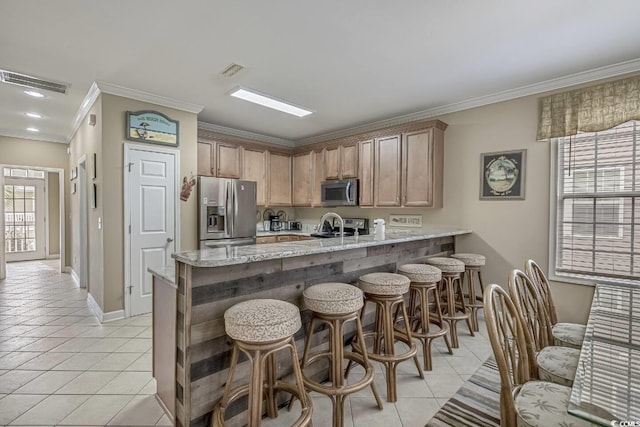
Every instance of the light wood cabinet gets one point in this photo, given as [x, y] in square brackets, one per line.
[205, 159]
[219, 159]
[281, 238]
[349, 161]
[365, 172]
[318, 177]
[308, 174]
[341, 162]
[228, 162]
[254, 168]
[387, 171]
[303, 174]
[332, 163]
[266, 239]
[279, 180]
[422, 158]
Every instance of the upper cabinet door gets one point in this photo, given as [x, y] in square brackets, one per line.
[365, 172]
[279, 180]
[387, 171]
[341, 162]
[349, 161]
[318, 177]
[302, 179]
[254, 168]
[332, 163]
[205, 159]
[228, 160]
[422, 157]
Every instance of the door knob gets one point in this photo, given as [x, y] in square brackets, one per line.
[169, 239]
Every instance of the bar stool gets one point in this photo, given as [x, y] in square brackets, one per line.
[424, 280]
[386, 290]
[260, 328]
[335, 304]
[454, 297]
[472, 264]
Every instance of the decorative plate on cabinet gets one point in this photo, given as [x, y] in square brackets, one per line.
[282, 215]
[258, 215]
[267, 213]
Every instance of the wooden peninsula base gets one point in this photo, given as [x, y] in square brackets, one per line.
[211, 281]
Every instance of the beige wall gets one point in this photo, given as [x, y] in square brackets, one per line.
[86, 141]
[39, 154]
[53, 215]
[111, 196]
[508, 232]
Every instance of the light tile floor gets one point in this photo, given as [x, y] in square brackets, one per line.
[59, 366]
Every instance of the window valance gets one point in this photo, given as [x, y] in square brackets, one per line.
[590, 109]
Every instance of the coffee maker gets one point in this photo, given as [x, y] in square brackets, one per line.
[275, 223]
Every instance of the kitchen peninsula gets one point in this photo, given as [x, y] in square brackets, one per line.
[188, 312]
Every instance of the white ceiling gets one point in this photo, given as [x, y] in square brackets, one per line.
[352, 62]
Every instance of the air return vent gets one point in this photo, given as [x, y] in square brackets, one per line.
[32, 82]
[231, 70]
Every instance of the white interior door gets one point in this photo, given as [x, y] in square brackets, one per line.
[152, 204]
[24, 219]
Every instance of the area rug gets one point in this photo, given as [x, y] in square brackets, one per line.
[476, 403]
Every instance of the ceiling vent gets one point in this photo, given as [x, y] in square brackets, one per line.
[232, 70]
[32, 82]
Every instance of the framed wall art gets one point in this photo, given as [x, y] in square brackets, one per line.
[94, 196]
[152, 127]
[502, 175]
[414, 221]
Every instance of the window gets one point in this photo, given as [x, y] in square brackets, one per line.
[19, 218]
[23, 173]
[597, 210]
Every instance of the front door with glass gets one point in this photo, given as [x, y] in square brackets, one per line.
[24, 219]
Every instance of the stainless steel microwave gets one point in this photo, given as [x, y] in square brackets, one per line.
[340, 193]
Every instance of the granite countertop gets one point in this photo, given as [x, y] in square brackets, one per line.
[217, 257]
[166, 272]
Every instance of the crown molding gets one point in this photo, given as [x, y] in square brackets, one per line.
[257, 137]
[139, 95]
[533, 89]
[88, 101]
[35, 136]
[102, 87]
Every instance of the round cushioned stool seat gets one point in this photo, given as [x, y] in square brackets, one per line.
[446, 265]
[262, 320]
[384, 284]
[421, 273]
[471, 260]
[333, 298]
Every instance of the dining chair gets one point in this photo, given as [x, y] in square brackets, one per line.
[550, 363]
[564, 334]
[523, 402]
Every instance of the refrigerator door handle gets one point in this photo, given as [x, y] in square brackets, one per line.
[231, 209]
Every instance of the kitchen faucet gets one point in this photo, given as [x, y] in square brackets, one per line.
[334, 215]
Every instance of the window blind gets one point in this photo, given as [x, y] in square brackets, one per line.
[598, 205]
[608, 372]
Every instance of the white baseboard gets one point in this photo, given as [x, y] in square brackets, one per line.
[113, 315]
[74, 276]
[103, 317]
[52, 256]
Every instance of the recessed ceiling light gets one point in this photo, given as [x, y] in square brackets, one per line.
[268, 101]
[34, 93]
[33, 130]
[34, 115]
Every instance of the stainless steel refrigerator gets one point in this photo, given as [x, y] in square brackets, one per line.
[226, 212]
